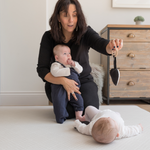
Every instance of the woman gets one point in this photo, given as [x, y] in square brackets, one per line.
[68, 26]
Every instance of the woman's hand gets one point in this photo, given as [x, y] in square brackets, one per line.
[71, 87]
[114, 46]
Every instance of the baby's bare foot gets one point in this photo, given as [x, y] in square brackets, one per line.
[81, 118]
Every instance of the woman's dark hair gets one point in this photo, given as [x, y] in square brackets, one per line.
[56, 32]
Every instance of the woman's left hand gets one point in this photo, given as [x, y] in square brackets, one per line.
[114, 46]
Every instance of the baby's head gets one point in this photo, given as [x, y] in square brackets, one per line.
[105, 130]
[62, 54]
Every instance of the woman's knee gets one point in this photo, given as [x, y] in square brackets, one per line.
[89, 93]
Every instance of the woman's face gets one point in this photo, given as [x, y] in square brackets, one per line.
[68, 20]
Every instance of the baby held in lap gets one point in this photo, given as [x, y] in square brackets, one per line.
[106, 125]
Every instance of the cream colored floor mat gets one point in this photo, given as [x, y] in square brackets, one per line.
[34, 128]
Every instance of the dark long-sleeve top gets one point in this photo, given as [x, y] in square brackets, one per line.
[79, 53]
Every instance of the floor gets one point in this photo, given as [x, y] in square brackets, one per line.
[35, 128]
[140, 103]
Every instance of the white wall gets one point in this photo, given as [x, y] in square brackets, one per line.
[99, 13]
[22, 24]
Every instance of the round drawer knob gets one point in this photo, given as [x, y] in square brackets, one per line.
[131, 35]
[131, 55]
[131, 83]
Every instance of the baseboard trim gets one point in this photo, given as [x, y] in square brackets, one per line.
[23, 99]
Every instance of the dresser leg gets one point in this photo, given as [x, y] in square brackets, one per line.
[107, 100]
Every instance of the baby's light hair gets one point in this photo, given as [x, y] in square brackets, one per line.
[57, 48]
[103, 131]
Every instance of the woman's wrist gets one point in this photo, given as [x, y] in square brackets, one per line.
[62, 80]
[55, 80]
[108, 49]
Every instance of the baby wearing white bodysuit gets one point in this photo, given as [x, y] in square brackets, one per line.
[106, 125]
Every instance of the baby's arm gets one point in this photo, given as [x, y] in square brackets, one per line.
[78, 67]
[128, 131]
[58, 71]
[82, 128]
[75, 65]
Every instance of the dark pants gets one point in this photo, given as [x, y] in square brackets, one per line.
[89, 94]
[60, 101]
[60, 98]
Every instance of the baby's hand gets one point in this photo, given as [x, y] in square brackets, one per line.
[71, 63]
[77, 123]
[141, 126]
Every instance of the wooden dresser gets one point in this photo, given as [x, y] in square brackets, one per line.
[133, 62]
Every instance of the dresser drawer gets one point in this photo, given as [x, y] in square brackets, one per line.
[133, 56]
[133, 61]
[130, 35]
[131, 84]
